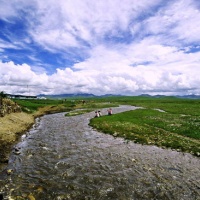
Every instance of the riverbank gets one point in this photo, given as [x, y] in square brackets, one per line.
[153, 127]
[12, 126]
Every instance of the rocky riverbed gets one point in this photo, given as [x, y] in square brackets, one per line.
[63, 158]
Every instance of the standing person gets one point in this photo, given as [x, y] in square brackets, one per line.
[99, 113]
[96, 114]
[109, 111]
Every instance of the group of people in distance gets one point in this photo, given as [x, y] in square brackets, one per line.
[98, 113]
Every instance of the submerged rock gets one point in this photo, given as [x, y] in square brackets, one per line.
[9, 171]
[31, 197]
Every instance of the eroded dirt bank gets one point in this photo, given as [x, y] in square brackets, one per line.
[13, 125]
[11, 128]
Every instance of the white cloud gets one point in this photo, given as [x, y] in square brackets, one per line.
[61, 24]
[179, 20]
[151, 59]
[15, 78]
[6, 45]
[12, 9]
[171, 76]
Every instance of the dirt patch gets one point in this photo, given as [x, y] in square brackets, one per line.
[11, 127]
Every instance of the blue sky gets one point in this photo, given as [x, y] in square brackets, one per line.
[127, 47]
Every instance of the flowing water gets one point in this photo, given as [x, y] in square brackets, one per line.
[63, 158]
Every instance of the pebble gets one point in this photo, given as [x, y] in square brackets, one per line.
[31, 197]
[17, 152]
[9, 171]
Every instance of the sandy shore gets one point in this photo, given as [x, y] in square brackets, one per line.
[12, 126]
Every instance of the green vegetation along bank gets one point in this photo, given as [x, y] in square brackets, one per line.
[165, 122]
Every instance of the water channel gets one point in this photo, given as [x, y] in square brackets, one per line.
[62, 158]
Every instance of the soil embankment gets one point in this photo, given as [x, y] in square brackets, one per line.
[11, 127]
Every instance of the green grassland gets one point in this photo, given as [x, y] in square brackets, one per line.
[165, 121]
[32, 105]
[78, 112]
[64, 105]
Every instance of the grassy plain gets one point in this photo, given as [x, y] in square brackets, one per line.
[72, 106]
[33, 106]
[167, 122]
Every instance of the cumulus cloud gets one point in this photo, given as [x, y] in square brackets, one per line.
[120, 47]
[170, 75]
[178, 20]
[17, 78]
[62, 24]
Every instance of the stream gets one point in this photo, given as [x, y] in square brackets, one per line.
[62, 158]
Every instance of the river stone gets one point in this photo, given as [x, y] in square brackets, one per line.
[9, 171]
[31, 197]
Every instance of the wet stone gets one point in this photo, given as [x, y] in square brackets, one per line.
[31, 197]
[9, 171]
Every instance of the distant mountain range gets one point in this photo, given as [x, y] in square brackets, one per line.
[190, 96]
[109, 95]
[67, 95]
[178, 96]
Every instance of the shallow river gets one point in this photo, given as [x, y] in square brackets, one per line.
[63, 158]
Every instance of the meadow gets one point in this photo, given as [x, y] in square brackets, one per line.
[33, 105]
[168, 122]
